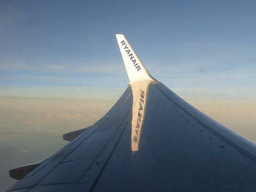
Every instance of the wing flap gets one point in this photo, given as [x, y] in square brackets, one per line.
[20, 172]
[72, 135]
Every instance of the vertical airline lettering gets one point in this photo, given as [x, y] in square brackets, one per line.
[130, 55]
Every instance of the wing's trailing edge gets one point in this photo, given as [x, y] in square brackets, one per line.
[135, 69]
[150, 140]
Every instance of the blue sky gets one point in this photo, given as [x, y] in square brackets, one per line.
[55, 48]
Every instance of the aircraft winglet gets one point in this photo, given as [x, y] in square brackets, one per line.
[135, 69]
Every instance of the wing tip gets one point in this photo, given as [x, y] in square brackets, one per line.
[135, 68]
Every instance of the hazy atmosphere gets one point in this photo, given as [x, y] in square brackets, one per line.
[61, 69]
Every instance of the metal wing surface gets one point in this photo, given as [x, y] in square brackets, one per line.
[151, 140]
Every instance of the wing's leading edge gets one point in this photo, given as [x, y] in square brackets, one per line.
[150, 140]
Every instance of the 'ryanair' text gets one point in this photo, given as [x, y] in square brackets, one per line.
[130, 55]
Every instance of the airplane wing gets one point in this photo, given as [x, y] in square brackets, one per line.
[150, 140]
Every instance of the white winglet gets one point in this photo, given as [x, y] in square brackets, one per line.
[135, 69]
